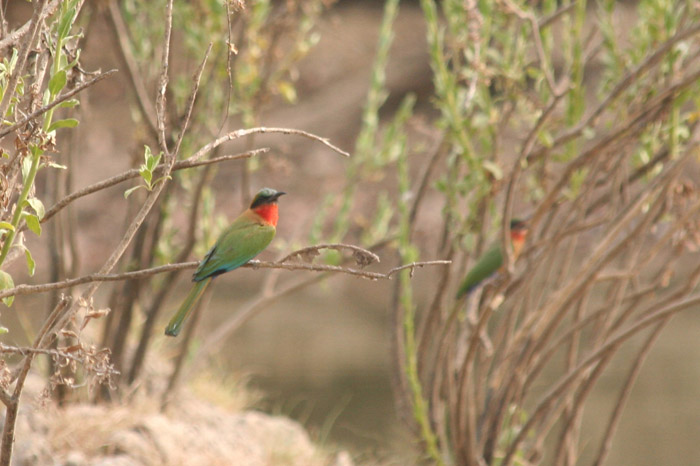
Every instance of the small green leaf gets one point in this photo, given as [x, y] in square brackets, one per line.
[33, 223]
[147, 175]
[493, 168]
[66, 22]
[6, 283]
[38, 206]
[31, 265]
[3, 330]
[70, 103]
[26, 167]
[57, 82]
[56, 165]
[128, 192]
[7, 226]
[67, 123]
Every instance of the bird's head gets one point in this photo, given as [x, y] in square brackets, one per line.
[265, 205]
[266, 196]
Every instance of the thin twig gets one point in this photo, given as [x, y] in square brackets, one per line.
[362, 256]
[556, 90]
[151, 199]
[548, 20]
[134, 172]
[58, 101]
[11, 86]
[121, 33]
[26, 350]
[16, 35]
[622, 85]
[12, 404]
[20, 290]
[191, 100]
[611, 344]
[263, 130]
[163, 83]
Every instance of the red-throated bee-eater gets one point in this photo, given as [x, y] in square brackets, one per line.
[492, 259]
[244, 239]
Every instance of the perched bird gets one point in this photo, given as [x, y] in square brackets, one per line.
[492, 260]
[244, 239]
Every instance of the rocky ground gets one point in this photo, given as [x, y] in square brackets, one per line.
[190, 432]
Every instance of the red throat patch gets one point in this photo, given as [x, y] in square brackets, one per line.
[269, 213]
[517, 237]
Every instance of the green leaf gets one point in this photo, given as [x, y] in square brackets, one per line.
[146, 174]
[67, 123]
[38, 206]
[70, 103]
[3, 330]
[56, 165]
[286, 89]
[57, 82]
[493, 168]
[31, 265]
[33, 223]
[6, 283]
[128, 192]
[7, 226]
[67, 21]
[26, 167]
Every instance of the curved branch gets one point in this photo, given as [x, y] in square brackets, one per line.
[134, 172]
[239, 133]
[362, 256]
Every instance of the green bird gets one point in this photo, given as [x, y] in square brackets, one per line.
[244, 239]
[492, 260]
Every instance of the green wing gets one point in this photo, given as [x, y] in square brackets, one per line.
[488, 264]
[238, 244]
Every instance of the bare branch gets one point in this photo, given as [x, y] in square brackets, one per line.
[163, 82]
[263, 130]
[362, 256]
[33, 30]
[59, 100]
[133, 173]
[126, 53]
[255, 264]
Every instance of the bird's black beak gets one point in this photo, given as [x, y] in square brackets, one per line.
[277, 195]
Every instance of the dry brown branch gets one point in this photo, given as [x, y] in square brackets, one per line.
[121, 35]
[35, 23]
[169, 282]
[362, 256]
[20, 290]
[161, 111]
[623, 85]
[557, 90]
[15, 36]
[134, 173]
[262, 130]
[12, 402]
[610, 344]
[150, 200]
[59, 100]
